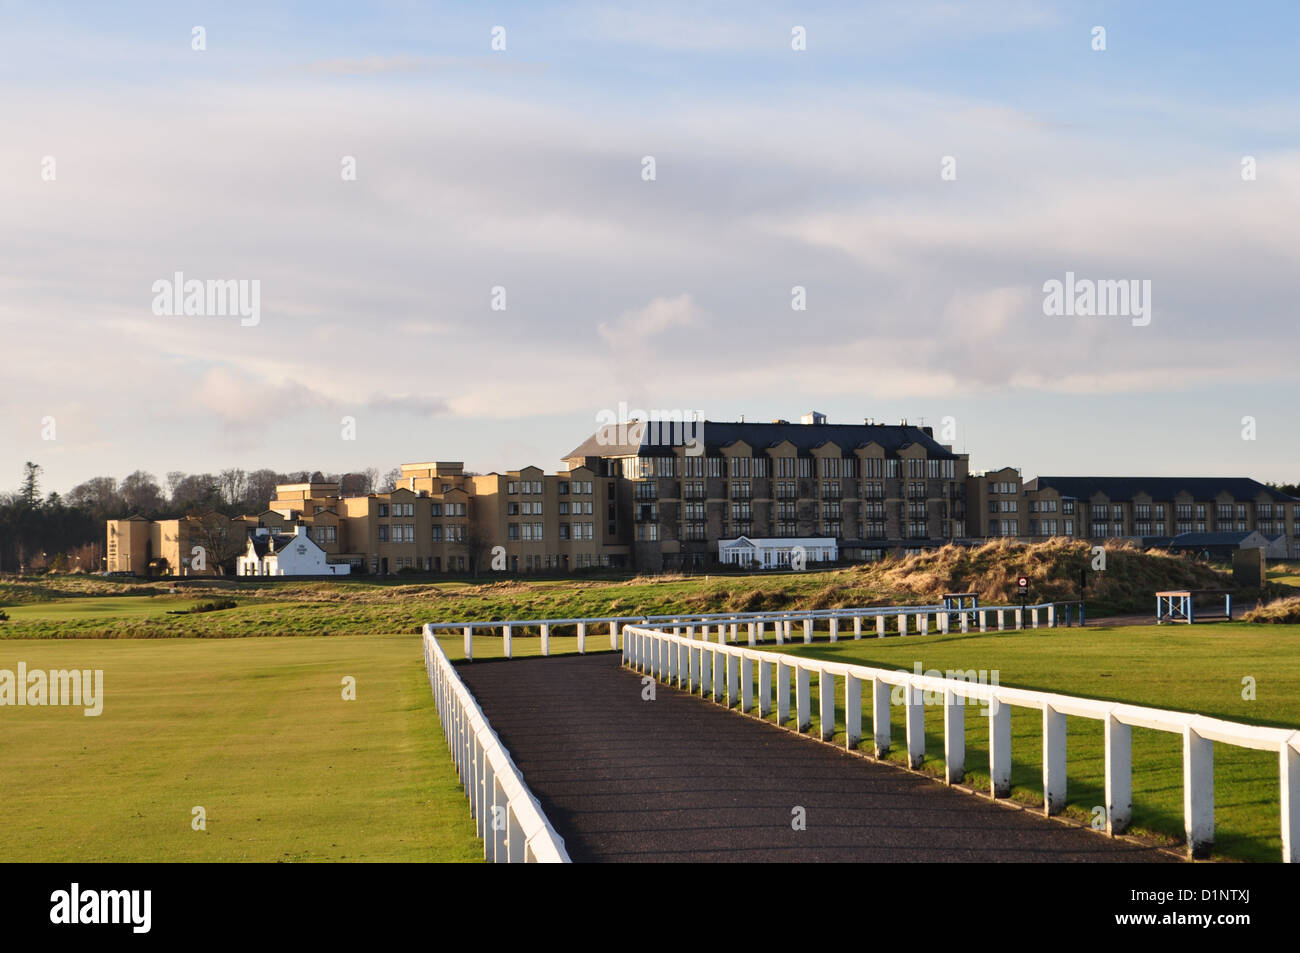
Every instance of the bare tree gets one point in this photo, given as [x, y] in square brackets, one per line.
[141, 494]
[390, 480]
[233, 483]
[98, 494]
[259, 489]
[222, 539]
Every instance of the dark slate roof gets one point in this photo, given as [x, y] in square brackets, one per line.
[760, 436]
[260, 545]
[1119, 489]
[1198, 539]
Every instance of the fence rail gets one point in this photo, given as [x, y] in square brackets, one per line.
[725, 672]
[906, 620]
[507, 817]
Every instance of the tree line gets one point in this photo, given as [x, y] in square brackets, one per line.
[66, 533]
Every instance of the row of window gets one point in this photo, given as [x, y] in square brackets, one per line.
[645, 468]
[534, 487]
[532, 532]
[435, 509]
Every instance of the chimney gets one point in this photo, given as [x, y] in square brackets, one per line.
[299, 529]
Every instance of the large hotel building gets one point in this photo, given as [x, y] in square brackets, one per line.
[675, 496]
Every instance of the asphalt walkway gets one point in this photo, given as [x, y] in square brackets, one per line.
[682, 779]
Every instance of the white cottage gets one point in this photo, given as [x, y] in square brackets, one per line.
[287, 554]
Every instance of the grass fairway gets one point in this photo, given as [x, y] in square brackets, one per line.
[1187, 668]
[253, 730]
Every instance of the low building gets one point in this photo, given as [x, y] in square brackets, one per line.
[761, 553]
[286, 554]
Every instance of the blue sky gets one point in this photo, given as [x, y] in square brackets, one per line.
[522, 169]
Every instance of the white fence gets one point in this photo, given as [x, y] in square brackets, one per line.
[879, 621]
[508, 818]
[725, 672]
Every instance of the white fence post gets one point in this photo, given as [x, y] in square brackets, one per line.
[1289, 763]
[613, 635]
[718, 677]
[469, 643]
[752, 627]
[915, 726]
[1053, 760]
[761, 626]
[733, 680]
[826, 703]
[880, 626]
[983, 621]
[764, 689]
[807, 630]
[857, 626]
[880, 715]
[582, 638]
[693, 672]
[1198, 792]
[782, 693]
[747, 682]
[546, 639]
[902, 623]
[852, 711]
[1002, 619]
[999, 748]
[954, 737]
[835, 629]
[1119, 776]
[803, 699]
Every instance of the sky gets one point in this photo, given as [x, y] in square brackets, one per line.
[921, 169]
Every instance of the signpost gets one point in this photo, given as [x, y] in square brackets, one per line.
[1023, 584]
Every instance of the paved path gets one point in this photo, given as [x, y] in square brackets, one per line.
[682, 779]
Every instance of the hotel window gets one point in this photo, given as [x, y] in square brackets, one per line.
[760, 467]
[873, 467]
[383, 509]
[1067, 507]
[693, 466]
[741, 511]
[562, 487]
[1069, 527]
[1184, 511]
[831, 468]
[916, 530]
[436, 534]
[512, 531]
[383, 533]
[1160, 529]
[512, 487]
[831, 488]
[1200, 511]
[739, 467]
[435, 509]
[1241, 527]
[564, 508]
[715, 466]
[1200, 527]
[805, 467]
[891, 469]
[1160, 511]
[537, 530]
[512, 509]
[564, 531]
[1241, 511]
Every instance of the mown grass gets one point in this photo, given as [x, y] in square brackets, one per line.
[255, 732]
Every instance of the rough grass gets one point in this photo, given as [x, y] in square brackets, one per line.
[1281, 611]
